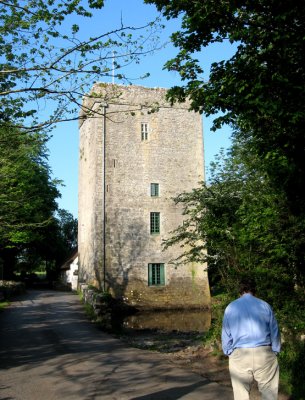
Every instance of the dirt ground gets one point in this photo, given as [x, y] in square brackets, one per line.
[186, 351]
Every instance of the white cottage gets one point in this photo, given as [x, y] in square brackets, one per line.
[69, 272]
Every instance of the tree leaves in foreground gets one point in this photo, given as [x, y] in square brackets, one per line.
[240, 225]
[48, 61]
[261, 88]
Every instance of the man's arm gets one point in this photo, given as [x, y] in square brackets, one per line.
[275, 334]
[226, 338]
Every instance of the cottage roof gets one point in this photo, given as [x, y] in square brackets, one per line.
[70, 260]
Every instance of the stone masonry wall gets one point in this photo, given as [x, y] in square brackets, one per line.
[172, 156]
[90, 236]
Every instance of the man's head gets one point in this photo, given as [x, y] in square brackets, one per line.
[247, 285]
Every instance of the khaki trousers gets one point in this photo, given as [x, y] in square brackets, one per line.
[259, 363]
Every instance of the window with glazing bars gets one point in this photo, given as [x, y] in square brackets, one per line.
[154, 189]
[154, 222]
[144, 131]
[156, 274]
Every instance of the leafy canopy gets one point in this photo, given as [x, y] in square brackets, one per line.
[239, 225]
[46, 58]
[27, 195]
[261, 87]
[27, 192]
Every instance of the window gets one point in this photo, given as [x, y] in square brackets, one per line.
[144, 131]
[156, 275]
[154, 189]
[154, 222]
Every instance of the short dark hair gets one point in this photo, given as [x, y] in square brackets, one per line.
[247, 285]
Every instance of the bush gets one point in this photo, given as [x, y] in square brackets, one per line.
[291, 360]
[11, 288]
[212, 338]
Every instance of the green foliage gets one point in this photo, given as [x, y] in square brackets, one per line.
[47, 58]
[260, 89]
[89, 310]
[27, 193]
[99, 307]
[103, 296]
[33, 232]
[291, 360]
[3, 305]
[211, 338]
[60, 244]
[8, 289]
[251, 218]
[240, 225]
[67, 230]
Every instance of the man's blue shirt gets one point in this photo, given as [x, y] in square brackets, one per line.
[249, 322]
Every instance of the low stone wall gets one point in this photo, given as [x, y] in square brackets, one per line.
[9, 289]
[97, 300]
[107, 311]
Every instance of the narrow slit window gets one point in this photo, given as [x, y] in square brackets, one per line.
[154, 223]
[156, 274]
[144, 131]
[154, 189]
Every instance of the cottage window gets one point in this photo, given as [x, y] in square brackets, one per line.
[154, 222]
[144, 131]
[154, 189]
[156, 275]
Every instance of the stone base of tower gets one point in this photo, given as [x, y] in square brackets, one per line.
[179, 294]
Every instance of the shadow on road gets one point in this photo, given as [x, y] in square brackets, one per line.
[49, 350]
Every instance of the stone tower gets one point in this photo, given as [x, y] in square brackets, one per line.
[137, 152]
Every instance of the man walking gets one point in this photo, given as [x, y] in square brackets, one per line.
[251, 339]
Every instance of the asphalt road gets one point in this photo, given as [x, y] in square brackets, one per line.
[49, 351]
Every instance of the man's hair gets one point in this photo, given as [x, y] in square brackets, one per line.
[247, 285]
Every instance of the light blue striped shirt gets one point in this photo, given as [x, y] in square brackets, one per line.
[249, 322]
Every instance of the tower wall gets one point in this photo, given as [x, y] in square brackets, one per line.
[171, 156]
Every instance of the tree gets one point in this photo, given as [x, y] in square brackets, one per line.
[68, 229]
[252, 217]
[27, 193]
[239, 225]
[45, 60]
[63, 242]
[260, 89]
[48, 251]
[47, 66]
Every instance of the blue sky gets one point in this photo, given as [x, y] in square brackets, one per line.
[63, 146]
